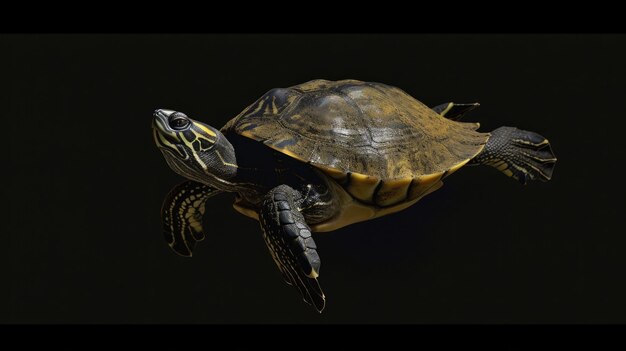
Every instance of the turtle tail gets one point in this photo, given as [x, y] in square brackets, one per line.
[517, 153]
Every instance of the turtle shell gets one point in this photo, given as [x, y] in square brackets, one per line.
[382, 145]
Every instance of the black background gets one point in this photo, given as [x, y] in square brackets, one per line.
[81, 225]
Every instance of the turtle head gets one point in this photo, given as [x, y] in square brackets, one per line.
[193, 149]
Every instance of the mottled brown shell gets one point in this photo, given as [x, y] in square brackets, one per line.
[382, 145]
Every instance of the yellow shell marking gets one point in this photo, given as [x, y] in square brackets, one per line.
[408, 172]
[353, 211]
[456, 167]
[362, 186]
[422, 184]
[392, 192]
[340, 176]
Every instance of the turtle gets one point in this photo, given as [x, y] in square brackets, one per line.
[322, 155]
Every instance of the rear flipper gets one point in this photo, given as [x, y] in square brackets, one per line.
[517, 153]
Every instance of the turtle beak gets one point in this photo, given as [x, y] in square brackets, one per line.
[161, 116]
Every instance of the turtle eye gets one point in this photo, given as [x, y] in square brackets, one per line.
[179, 122]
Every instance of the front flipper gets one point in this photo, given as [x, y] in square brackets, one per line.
[454, 111]
[289, 240]
[182, 212]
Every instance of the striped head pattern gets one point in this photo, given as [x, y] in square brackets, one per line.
[191, 148]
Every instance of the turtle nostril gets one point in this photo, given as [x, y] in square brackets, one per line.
[163, 113]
